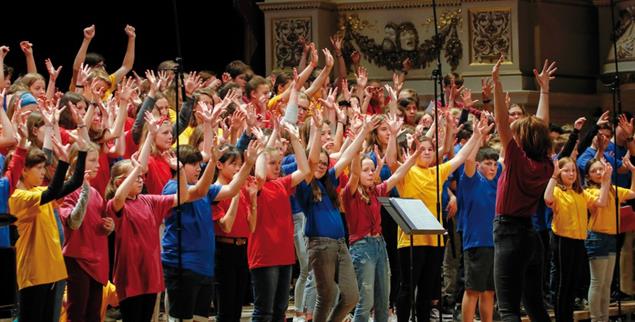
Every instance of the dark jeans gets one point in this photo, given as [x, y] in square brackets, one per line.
[518, 269]
[37, 303]
[138, 308]
[426, 279]
[569, 266]
[232, 276]
[271, 292]
[189, 293]
[84, 294]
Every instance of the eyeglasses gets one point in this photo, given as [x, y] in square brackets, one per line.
[324, 163]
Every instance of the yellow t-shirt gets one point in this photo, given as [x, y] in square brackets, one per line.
[570, 212]
[38, 250]
[603, 219]
[184, 137]
[172, 115]
[420, 183]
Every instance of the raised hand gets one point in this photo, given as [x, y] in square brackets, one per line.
[126, 87]
[89, 32]
[152, 123]
[362, 76]
[292, 130]
[394, 123]
[546, 75]
[60, 150]
[170, 157]
[604, 119]
[346, 93]
[626, 125]
[328, 57]
[130, 31]
[397, 84]
[336, 41]
[253, 150]
[579, 123]
[466, 96]
[392, 92]
[486, 88]
[4, 50]
[626, 161]
[330, 99]
[27, 48]
[82, 75]
[192, 83]
[496, 69]
[314, 55]
[608, 170]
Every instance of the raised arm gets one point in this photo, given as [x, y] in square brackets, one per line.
[543, 79]
[226, 223]
[501, 115]
[89, 33]
[605, 188]
[231, 189]
[53, 73]
[394, 124]
[480, 130]
[548, 195]
[300, 156]
[124, 188]
[8, 138]
[568, 148]
[400, 173]
[4, 50]
[354, 148]
[470, 161]
[336, 41]
[126, 88]
[326, 71]
[27, 49]
[128, 59]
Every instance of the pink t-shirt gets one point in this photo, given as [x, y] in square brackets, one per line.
[88, 244]
[363, 219]
[271, 244]
[137, 246]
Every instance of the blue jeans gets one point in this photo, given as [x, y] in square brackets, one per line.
[303, 261]
[271, 292]
[333, 268]
[370, 261]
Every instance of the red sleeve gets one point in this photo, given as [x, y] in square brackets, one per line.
[286, 183]
[381, 190]
[68, 204]
[512, 152]
[66, 138]
[219, 209]
[14, 170]
[161, 205]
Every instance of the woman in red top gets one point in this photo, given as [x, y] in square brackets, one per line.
[518, 250]
[363, 218]
[86, 242]
[270, 249]
[233, 220]
[161, 172]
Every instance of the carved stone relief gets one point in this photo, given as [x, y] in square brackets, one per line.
[490, 33]
[287, 32]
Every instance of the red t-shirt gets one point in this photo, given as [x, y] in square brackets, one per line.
[103, 175]
[363, 219]
[131, 146]
[88, 245]
[271, 244]
[137, 268]
[522, 183]
[159, 173]
[240, 228]
[65, 136]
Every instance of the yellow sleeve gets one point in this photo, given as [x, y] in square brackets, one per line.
[444, 171]
[273, 101]
[557, 195]
[113, 82]
[24, 203]
[590, 197]
[622, 193]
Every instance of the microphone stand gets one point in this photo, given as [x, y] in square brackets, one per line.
[437, 75]
[178, 79]
[616, 111]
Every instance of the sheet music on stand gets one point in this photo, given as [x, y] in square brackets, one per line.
[412, 216]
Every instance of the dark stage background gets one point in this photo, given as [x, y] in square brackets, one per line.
[213, 33]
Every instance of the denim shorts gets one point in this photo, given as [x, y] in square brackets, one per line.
[600, 245]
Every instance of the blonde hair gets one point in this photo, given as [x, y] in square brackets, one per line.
[72, 155]
[118, 170]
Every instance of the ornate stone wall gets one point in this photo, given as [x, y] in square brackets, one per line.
[472, 34]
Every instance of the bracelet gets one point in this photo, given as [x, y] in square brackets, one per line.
[79, 86]
[545, 93]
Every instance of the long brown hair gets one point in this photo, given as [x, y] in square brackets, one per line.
[533, 137]
[328, 185]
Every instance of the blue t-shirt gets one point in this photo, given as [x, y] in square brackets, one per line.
[623, 179]
[479, 208]
[322, 218]
[5, 235]
[197, 236]
[542, 220]
[288, 167]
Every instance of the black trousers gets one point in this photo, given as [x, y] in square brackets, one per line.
[518, 269]
[37, 303]
[426, 280]
[232, 277]
[569, 255]
[138, 308]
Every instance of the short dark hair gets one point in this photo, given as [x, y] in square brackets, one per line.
[236, 68]
[34, 157]
[487, 154]
[189, 154]
[253, 84]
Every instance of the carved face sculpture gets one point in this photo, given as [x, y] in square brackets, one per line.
[408, 38]
[390, 37]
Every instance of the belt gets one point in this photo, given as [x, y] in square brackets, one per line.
[231, 240]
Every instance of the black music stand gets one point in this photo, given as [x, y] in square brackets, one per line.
[414, 218]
